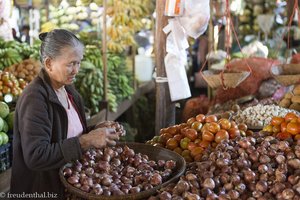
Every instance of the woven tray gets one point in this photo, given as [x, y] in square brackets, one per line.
[287, 74]
[154, 153]
[231, 80]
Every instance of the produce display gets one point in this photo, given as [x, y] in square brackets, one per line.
[4, 121]
[248, 23]
[291, 99]
[120, 79]
[12, 52]
[126, 20]
[259, 115]
[9, 84]
[265, 101]
[285, 127]
[253, 167]
[192, 138]
[27, 69]
[89, 82]
[241, 103]
[117, 171]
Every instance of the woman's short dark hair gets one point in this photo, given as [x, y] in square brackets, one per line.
[54, 41]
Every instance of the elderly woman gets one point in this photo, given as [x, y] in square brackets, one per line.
[50, 126]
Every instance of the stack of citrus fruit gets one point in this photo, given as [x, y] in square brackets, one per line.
[285, 127]
[191, 138]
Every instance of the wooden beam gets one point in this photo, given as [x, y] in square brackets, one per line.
[104, 50]
[165, 109]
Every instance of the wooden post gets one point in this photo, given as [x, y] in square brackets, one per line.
[165, 109]
[289, 7]
[133, 54]
[104, 54]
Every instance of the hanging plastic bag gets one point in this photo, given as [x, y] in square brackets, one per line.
[177, 78]
[5, 28]
[5, 9]
[194, 22]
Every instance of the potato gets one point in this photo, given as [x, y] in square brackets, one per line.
[285, 103]
[29, 67]
[288, 95]
[22, 75]
[295, 106]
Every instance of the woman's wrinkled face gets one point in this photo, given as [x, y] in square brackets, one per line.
[64, 68]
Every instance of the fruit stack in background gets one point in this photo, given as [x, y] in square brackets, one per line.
[89, 80]
[6, 126]
[12, 52]
[127, 18]
[248, 24]
[9, 84]
[287, 127]
[6, 122]
[27, 69]
[291, 99]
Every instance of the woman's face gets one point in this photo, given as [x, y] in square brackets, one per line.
[63, 69]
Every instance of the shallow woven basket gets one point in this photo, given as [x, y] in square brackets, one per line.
[231, 79]
[154, 153]
[287, 74]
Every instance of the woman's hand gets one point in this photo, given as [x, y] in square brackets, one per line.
[98, 138]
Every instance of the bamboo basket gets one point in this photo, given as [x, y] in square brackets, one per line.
[231, 79]
[287, 74]
[154, 153]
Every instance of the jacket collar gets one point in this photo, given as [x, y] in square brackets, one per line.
[52, 95]
[46, 80]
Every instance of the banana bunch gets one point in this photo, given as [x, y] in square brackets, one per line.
[93, 55]
[120, 79]
[24, 50]
[8, 57]
[86, 2]
[89, 82]
[98, 2]
[115, 47]
[126, 20]
[112, 100]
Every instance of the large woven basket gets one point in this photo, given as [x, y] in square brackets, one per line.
[287, 74]
[154, 153]
[231, 79]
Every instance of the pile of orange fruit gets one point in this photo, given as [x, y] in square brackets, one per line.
[285, 127]
[190, 139]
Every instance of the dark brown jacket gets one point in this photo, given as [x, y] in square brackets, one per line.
[40, 144]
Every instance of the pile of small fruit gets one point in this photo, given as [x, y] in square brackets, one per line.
[9, 84]
[116, 171]
[27, 69]
[285, 127]
[192, 138]
[291, 99]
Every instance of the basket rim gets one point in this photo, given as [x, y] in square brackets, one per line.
[140, 195]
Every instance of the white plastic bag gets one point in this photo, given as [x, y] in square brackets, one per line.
[5, 9]
[176, 40]
[194, 22]
[177, 78]
[5, 28]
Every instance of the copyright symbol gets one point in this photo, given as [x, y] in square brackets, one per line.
[2, 194]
